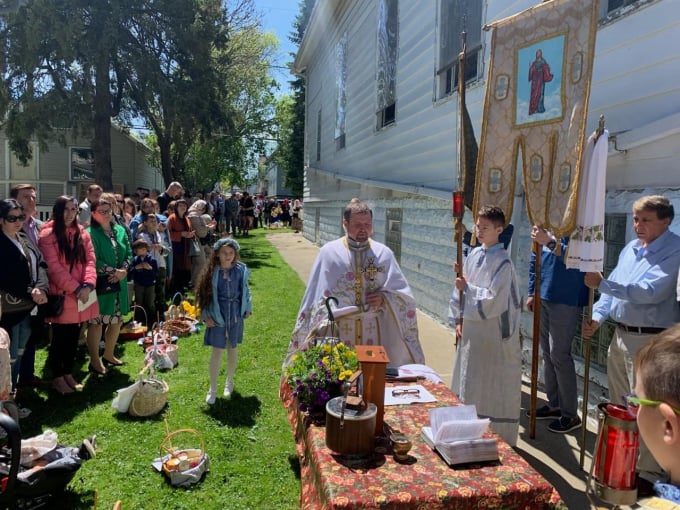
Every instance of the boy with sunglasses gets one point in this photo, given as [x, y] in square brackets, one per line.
[656, 403]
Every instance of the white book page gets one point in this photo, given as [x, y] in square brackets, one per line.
[92, 298]
[457, 423]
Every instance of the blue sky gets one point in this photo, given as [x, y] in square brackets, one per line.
[278, 17]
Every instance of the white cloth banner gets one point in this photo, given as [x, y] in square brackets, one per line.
[586, 244]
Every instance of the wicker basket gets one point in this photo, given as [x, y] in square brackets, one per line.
[151, 396]
[184, 466]
[178, 327]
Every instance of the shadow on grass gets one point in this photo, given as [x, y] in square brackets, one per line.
[294, 462]
[51, 409]
[238, 411]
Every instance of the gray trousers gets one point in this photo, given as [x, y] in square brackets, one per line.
[558, 328]
[621, 379]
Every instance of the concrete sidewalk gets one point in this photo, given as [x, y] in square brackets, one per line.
[555, 456]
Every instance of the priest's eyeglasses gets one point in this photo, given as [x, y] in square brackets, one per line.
[406, 392]
[633, 403]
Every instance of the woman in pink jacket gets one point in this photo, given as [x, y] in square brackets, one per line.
[69, 254]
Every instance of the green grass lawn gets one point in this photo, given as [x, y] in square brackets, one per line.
[248, 438]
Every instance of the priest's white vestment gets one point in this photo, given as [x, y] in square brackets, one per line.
[348, 270]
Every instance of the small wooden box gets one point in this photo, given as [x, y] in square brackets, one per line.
[374, 360]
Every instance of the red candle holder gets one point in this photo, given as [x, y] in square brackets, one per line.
[458, 205]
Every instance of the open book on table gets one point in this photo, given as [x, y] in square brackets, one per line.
[458, 435]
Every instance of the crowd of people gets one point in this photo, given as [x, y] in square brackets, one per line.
[81, 271]
[168, 242]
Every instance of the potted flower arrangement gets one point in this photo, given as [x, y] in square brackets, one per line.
[317, 372]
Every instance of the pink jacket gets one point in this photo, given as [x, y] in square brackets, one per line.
[65, 279]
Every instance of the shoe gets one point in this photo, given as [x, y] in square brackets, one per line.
[91, 368]
[31, 382]
[545, 413]
[87, 448]
[211, 397]
[564, 425]
[73, 383]
[61, 386]
[109, 363]
[228, 388]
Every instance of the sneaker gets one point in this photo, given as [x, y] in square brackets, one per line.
[564, 425]
[545, 413]
[228, 388]
[211, 397]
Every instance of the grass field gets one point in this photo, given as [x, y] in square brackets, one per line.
[248, 438]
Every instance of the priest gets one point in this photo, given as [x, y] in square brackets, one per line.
[375, 303]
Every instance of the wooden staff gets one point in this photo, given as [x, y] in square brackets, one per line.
[538, 252]
[458, 196]
[586, 368]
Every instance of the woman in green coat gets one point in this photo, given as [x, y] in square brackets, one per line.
[114, 256]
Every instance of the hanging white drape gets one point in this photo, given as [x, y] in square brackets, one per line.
[586, 245]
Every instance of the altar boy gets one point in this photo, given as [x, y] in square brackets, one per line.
[487, 369]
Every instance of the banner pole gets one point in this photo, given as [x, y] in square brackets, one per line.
[458, 195]
[535, 340]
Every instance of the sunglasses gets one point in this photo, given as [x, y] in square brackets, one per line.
[405, 393]
[104, 211]
[633, 403]
[10, 218]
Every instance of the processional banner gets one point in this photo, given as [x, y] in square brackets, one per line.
[535, 111]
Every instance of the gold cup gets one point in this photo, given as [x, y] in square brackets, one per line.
[401, 445]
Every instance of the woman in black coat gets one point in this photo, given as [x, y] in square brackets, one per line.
[23, 279]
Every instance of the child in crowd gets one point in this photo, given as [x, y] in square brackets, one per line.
[656, 403]
[487, 371]
[144, 272]
[224, 299]
[159, 248]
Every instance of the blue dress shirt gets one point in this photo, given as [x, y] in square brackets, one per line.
[641, 289]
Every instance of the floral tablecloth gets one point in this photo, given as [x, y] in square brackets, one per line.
[330, 481]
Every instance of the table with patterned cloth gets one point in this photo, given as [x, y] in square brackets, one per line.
[331, 481]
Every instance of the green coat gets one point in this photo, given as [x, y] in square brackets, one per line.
[106, 256]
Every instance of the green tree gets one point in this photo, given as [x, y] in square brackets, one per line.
[63, 73]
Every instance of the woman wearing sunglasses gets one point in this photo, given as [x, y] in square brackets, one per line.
[114, 256]
[23, 280]
[70, 256]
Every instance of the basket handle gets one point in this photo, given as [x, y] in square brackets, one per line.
[148, 367]
[146, 317]
[169, 436]
[181, 298]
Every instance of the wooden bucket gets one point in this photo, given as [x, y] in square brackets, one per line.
[352, 434]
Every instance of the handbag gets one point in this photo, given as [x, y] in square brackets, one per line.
[12, 304]
[104, 286]
[53, 307]
[194, 248]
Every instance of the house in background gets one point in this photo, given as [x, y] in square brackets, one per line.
[274, 182]
[381, 123]
[69, 170]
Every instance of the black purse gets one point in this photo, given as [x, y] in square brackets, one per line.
[54, 306]
[12, 304]
[104, 286]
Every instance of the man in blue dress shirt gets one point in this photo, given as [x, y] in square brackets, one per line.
[639, 296]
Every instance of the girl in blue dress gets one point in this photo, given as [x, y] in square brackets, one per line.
[224, 299]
